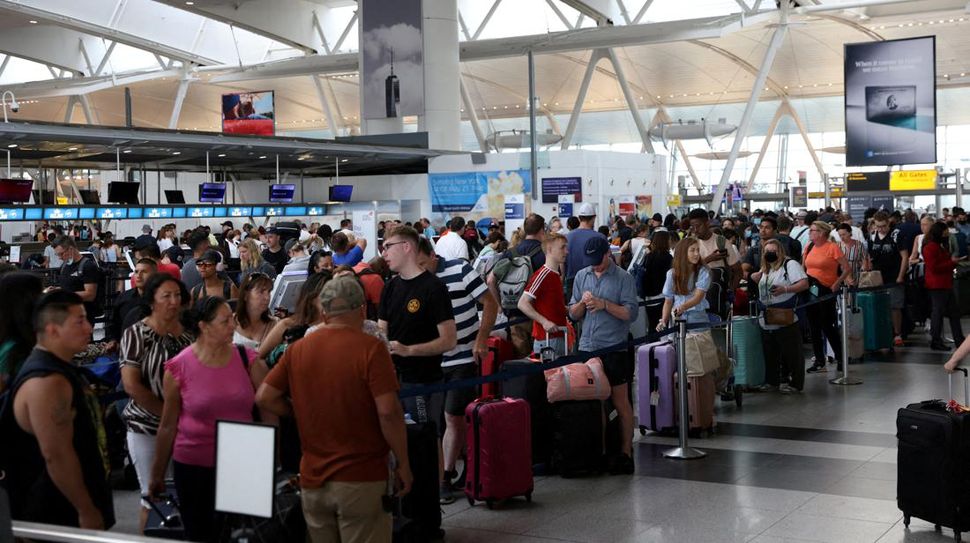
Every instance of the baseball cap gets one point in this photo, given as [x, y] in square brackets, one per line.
[210, 256]
[146, 228]
[175, 254]
[586, 209]
[227, 223]
[801, 215]
[658, 217]
[340, 295]
[272, 230]
[594, 250]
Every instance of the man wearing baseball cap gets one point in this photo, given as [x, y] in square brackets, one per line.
[604, 297]
[146, 236]
[576, 241]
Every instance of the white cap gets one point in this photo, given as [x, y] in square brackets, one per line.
[586, 210]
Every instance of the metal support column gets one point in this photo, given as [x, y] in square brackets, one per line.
[759, 83]
[959, 188]
[533, 147]
[630, 100]
[827, 187]
[594, 58]
[472, 116]
[325, 105]
[173, 121]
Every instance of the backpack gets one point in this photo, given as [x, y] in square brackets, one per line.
[638, 269]
[371, 306]
[512, 273]
[104, 283]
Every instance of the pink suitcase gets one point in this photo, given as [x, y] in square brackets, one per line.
[656, 366]
[701, 391]
[499, 464]
[577, 382]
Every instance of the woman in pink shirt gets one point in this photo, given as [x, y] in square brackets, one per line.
[209, 380]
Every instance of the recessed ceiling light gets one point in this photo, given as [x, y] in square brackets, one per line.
[126, 151]
[262, 157]
[72, 148]
[222, 155]
[33, 22]
[12, 146]
[177, 153]
[190, 3]
[344, 159]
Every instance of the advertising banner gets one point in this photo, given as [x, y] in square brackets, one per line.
[857, 206]
[886, 202]
[644, 207]
[566, 204]
[799, 196]
[890, 102]
[514, 213]
[252, 113]
[674, 200]
[392, 58]
[626, 205]
[553, 187]
[476, 195]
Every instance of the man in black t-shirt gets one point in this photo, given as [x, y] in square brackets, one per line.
[888, 253]
[79, 274]
[417, 317]
[56, 463]
[274, 253]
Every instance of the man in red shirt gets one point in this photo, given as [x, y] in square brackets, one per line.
[542, 300]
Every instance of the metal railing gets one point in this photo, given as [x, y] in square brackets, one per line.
[65, 534]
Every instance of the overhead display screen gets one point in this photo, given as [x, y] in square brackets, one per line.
[240, 211]
[249, 113]
[15, 190]
[158, 213]
[297, 211]
[199, 212]
[33, 213]
[11, 214]
[315, 211]
[281, 193]
[274, 211]
[135, 212]
[178, 212]
[112, 213]
[890, 102]
[259, 211]
[59, 213]
[212, 192]
[86, 213]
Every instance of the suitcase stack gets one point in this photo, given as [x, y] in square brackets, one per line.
[877, 323]
[933, 472]
[499, 451]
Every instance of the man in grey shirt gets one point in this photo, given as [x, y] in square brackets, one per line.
[604, 296]
[199, 243]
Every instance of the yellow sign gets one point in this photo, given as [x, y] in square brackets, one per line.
[674, 200]
[834, 192]
[62, 200]
[912, 180]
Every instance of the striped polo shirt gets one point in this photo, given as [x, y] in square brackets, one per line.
[465, 286]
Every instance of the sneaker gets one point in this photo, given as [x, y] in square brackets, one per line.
[766, 388]
[785, 388]
[897, 341]
[622, 465]
[939, 346]
[446, 496]
[816, 369]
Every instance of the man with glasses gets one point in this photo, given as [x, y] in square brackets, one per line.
[888, 254]
[79, 274]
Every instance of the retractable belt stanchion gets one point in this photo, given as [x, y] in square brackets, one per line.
[683, 452]
[844, 308]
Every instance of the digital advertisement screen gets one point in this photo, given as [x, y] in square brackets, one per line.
[212, 192]
[281, 193]
[112, 213]
[249, 113]
[85, 213]
[11, 214]
[15, 190]
[240, 211]
[58, 213]
[890, 102]
[341, 193]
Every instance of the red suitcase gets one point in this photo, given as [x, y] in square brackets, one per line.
[499, 464]
[499, 350]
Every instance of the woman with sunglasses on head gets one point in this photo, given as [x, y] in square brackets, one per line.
[779, 281]
[251, 261]
[253, 321]
[822, 261]
[208, 381]
[145, 347]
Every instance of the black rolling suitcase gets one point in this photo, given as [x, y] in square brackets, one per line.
[578, 437]
[532, 389]
[418, 516]
[933, 478]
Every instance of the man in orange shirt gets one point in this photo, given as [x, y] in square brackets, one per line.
[343, 392]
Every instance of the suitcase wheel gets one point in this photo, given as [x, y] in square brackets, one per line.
[643, 430]
[471, 501]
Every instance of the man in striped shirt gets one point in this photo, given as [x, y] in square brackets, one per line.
[467, 289]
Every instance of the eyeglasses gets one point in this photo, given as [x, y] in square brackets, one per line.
[204, 264]
[389, 245]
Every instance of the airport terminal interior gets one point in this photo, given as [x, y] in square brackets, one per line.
[304, 137]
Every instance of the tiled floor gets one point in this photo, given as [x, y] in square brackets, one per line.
[819, 466]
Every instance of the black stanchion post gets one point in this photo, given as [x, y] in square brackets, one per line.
[683, 452]
[844, 309]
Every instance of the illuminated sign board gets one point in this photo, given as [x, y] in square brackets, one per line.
[158, 213]
[240, 211]
[912, 180]
[112, 213]
[60, 213]
[295, 211]
[11, 214]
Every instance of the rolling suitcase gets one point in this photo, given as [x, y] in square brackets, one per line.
[700, 401]
[877, 323]
[420, 509]
[499, 350]
[499, 450]
[656, 365]
[856, 322]
[749, 356]
[932, 463]
[164, 520]
[578, 437]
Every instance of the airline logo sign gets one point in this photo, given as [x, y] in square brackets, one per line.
[912, 180]
[674, 200]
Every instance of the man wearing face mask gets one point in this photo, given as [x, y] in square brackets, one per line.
[78, 274]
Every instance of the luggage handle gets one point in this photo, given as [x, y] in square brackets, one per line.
[172, 520]
[547, 344]
[966, 385]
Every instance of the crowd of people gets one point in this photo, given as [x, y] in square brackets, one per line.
[197, 340]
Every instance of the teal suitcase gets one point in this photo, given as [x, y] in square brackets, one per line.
[749, 356]
[876, 320]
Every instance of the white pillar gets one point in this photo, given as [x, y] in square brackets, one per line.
[442, 97]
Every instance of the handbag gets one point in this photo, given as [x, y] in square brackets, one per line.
[779, 316]
[869, 279]
[701, 354]
[579, 381]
